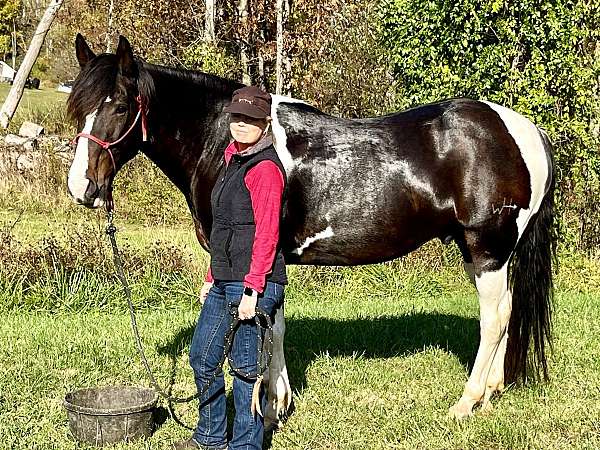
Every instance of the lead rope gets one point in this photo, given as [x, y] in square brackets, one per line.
[263, 360]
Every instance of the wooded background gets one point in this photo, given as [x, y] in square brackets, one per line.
[361, 57]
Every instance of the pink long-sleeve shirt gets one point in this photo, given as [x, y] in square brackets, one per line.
[265, 183]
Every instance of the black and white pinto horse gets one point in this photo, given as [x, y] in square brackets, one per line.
[360, 191]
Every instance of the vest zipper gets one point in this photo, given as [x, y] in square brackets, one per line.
[223, 180]
[223, 183]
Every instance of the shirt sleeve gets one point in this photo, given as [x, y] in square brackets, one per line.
[265, 183]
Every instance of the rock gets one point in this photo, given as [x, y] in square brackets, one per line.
[25, 163]
[13, 139]
[31, 130]
[31, 145]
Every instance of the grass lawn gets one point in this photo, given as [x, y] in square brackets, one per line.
[376, 355]
[44, 97]
[45, 106]
[368, 373]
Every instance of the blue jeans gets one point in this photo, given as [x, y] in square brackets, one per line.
[205, 353]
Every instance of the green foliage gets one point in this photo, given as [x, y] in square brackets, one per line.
[8, 12]
[41, 67]
[73, 271]
[210, 58]
[537, 57]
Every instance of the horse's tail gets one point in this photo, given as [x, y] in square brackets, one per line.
[531, 283]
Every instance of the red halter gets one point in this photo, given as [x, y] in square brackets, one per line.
[107, 145]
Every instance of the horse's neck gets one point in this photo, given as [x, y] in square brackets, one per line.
[188, 134]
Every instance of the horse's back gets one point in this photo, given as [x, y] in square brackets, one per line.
[397, 181]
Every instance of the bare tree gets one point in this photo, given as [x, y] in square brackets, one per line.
[209, 21]
[281, 64]
[244, 58]
[111, 9]
[16, 91]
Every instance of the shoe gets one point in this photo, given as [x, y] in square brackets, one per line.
[185, 445]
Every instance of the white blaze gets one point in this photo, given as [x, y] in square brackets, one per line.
[326, 233]
[78, 182]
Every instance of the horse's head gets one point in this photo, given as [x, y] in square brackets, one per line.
[108, 101]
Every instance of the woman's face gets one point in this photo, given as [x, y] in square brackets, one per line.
[245, 129]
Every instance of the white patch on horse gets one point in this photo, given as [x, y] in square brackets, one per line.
[279, 135]
[528, 139]
[98, 202]
[108, 100]
[342, 160]
[77, 180]
[326, 233]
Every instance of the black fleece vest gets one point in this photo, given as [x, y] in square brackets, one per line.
[233, 225]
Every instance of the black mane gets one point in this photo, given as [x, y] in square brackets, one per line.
[96, 81]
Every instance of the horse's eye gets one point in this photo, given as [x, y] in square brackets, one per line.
[121, 109]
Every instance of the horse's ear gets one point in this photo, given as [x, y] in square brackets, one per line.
[127, 65]
[83, 51]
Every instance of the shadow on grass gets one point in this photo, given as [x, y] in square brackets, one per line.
[383, 337]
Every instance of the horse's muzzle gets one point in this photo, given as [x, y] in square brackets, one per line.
[94, 196]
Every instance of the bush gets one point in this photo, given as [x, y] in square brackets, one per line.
[210, 58]
[537, 57]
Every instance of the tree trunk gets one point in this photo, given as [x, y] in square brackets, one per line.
[244, 38]
[16, 91]
[282, 63]
[14, 46]
[111, 9]
[209, 22]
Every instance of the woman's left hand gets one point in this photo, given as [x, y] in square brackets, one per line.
[247, 308]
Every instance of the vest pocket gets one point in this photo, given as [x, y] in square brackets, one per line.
[220, 240]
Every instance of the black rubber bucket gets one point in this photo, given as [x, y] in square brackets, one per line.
[111, 414]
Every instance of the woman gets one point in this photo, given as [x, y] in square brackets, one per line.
[246, 270]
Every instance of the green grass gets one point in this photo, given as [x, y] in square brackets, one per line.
[45, 106]
[371, 376]
[45, 97]
[376, 354]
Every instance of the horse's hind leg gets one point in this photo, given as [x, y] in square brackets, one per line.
[487, 375]
[495, 381]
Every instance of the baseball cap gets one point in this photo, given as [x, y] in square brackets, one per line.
[250, 101]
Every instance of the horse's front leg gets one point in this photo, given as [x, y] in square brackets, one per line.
[279, 390]
[487, 375]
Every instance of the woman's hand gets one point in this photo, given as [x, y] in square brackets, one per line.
[247, 308]
[204, 291]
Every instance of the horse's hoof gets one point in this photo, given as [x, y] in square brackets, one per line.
[461, 410]
[487, 407]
